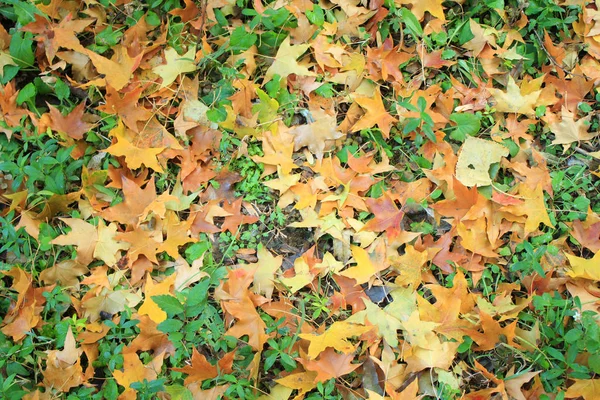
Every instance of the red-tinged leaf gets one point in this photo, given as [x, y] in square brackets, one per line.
[387, 215]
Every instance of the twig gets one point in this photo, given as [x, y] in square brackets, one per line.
[203, 6]
[553, 60]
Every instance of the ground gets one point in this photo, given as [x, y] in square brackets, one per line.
[293, 199]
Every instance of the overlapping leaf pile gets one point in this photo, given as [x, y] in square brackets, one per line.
[422, 231]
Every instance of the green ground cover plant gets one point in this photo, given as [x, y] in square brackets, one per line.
[231, 199]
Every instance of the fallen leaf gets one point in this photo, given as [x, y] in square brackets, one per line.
[474, 161]
[568, 130]
[336, 337]
[375, 114]
[586, 388]
[175, 65]
[515, 100]
[330, 365]
[285, 61]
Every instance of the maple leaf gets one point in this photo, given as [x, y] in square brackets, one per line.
[52, 36]
[66, 272]
[433, 7]
[386, 323]
[136, 200]
[72, 124]
[118, 69]
[199, 370]
[375, 114]
[135, 371]
[492, 330]
[336, 336]
[142, 242]
[135, 156]
[533, 207]
[150, 338]
[365, 268]
[108, 247]
[285, 61]
[387, 215]
[302, 381]
[83, 235]
[188, 13]
[175, 65]
[482, 36]
[317, 136]
[513, 383]
[330, 365]
[149, 307]
[126, 107]
[187, 274]
[236, 218]
[568, 130]
[586, 388]
[263, 271]
[516, 100]
[409, 265]
[63, 369]
[588, 235]
[11, 113]
[239, 304]
[437, 354]
[584, 268]
[177, 235]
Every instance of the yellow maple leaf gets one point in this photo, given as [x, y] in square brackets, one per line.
[285, 61]
[149, 307]
[365, 268]
[83, 235]
[317, 136]
[584, 268]
[533, 207]
[134, 156]
[336, 336]
[302, 278]
[517, 100]
[586, 388]
[386, 323]
[301, 381]
[108, 248]
[175, 65]
[264, 272]
[433, 7]
[568, 130]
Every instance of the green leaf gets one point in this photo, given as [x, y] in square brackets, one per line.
[168, 304]
[412, 23]
[110, 389]
[26, 94]
[240, 40]
[61, 90]
[178, 392]
[22, 11]
[21, 49]
[316, 16]
[573, 335]
[170, 325]
[594, 363]
[466, 124]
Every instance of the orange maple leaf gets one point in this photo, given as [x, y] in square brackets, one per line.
[375, 114]
[330, 365]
